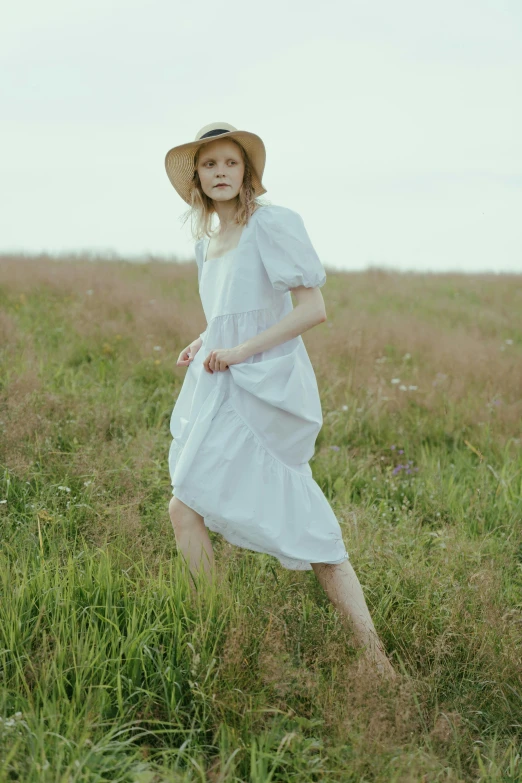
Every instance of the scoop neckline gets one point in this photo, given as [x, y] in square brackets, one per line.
[218, 258]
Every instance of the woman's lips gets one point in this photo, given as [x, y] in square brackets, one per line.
[221, 186]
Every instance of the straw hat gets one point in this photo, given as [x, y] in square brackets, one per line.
[179, 161]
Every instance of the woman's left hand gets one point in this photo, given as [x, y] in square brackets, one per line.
[221, 358]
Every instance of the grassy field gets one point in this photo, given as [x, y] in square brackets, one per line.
[111, 671]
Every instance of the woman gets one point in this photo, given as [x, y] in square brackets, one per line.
[246, 419]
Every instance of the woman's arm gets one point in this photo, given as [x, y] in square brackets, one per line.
[308, 312]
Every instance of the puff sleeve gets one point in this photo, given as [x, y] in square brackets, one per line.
[287, 253]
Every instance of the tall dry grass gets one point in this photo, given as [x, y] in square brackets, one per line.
[110, 670]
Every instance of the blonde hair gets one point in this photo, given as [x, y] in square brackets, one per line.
[202, 207]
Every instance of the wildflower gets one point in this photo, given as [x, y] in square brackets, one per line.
[401, 451]
[67, 489]
[344, 408]
[395, 380]
[407, 356]
[157, 347]
[334, 448]
[412, 388]
[157, 361]
[89, 292]
[86, 483]
[2, 501]
[393, 448]
[509, 342]
[402, 387]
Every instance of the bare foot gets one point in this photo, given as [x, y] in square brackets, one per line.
[386, 670]
[379, 662]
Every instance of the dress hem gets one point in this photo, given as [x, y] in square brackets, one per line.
[218, 525]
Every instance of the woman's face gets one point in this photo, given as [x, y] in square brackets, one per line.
[220, 163]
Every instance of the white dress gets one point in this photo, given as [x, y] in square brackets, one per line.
[243, 437]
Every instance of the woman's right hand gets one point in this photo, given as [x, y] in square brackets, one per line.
[188, 353]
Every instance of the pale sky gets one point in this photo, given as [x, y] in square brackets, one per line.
[394, 129]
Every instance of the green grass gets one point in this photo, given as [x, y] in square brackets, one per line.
[110, 670]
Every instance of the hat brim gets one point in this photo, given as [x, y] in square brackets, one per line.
[179, 161]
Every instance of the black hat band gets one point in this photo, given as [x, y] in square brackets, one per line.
[213, 133]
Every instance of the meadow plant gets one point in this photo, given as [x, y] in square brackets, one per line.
[112, 670]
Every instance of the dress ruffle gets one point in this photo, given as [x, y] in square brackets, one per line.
[254, 500]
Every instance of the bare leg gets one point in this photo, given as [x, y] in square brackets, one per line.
[343, 588]
[192, 539]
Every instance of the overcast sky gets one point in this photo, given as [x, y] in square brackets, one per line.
[394, 129]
